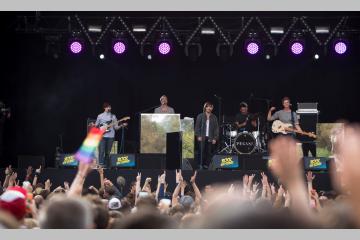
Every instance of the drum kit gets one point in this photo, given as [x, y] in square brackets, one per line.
[243, 142]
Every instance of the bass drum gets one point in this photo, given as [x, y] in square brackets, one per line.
[245, 143]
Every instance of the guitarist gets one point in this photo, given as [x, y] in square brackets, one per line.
[285, 115]
[108, 138]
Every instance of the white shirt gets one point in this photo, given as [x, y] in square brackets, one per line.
[207, 127]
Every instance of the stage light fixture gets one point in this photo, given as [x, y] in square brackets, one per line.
[277, 30]
[316, 56]
[252, 44]
[297, 44]
[340, 46]
[119, 46]
[139, 28]
[76, 46]
[164, 45]
[207, 31]
[322, 29]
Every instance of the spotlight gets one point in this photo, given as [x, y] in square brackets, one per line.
[322, 29]
[316, 56]
[102, 56]
[267, 56]
[76, 46]
[340, 47]
[164, 47]
[164, 44]
[297, 44]
[119, 46]
[297, 48]
[252, 47]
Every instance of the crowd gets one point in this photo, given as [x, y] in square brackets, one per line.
[289, 202]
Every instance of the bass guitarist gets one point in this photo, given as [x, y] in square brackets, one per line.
[285, 115]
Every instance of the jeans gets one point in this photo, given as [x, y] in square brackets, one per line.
[205, 151]
[104, 150]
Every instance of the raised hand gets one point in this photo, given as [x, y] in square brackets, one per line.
[162, 178]
[285, 160]
[251, 178]
[66, 185]
[8, 170]
[38, 170]
[255, 186]
[48, 184]
[264, 179]
[100, 170]
[272, 109]
[193, 178]
[138, 177]
[245, 180]
[309, 176]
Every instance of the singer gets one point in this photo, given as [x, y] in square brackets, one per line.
[164, 108]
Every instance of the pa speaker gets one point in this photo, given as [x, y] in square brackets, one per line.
[25, 161]
[173, 150]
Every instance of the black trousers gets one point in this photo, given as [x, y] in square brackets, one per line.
[309, 146]
[104, 150]
[205, 151]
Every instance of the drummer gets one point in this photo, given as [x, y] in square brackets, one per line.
[244, 121]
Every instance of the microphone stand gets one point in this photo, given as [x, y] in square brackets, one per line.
[267, 107]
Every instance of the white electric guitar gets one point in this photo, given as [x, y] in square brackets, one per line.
[106, 126]
[285, 128]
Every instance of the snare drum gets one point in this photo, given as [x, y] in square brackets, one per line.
[245, 143]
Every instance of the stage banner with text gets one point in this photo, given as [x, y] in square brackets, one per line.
[225, 162]
[122, 160]
[68, 160]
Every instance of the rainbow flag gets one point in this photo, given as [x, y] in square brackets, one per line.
[88, 147]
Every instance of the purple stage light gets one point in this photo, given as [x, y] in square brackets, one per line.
[252, 48]
[164, 48]
[340, 47]
[76, 47]
[297, 48]
[119, 47]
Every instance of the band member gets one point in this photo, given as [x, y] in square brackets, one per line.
[207, 134]
[285, 115]
[106, 142]
[244, 120]
[4, 114]
[164, 108]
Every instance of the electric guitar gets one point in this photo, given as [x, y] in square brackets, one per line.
[106, 126]
[285, 128]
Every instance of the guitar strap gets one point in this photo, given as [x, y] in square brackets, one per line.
[292, 119]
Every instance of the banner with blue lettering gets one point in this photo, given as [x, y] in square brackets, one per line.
[122, 160]
[225, 161]
[68, 160]
[315, 163]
